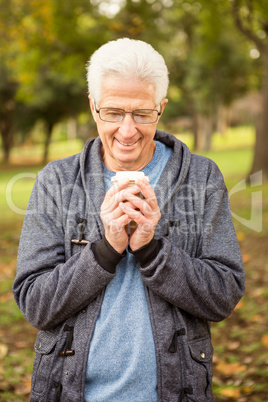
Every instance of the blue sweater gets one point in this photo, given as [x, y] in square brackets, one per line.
[122, 361]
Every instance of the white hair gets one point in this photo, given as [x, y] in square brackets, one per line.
[127, 58]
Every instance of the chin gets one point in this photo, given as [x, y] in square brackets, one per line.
[127, 164]
[128, 160]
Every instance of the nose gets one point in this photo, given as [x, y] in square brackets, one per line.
[128, 126]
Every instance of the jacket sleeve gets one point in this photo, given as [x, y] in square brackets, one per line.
[209, 284]
[47, 288]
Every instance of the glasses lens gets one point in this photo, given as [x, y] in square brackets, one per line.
[114, 115]
[110, 114]
[145, 116]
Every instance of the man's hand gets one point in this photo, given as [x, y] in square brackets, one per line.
[114, 219]
[145, 212]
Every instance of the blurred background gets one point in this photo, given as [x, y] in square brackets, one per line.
[217, 55]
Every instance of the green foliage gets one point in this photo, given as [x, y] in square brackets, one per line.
[219, 64]
[47, 44]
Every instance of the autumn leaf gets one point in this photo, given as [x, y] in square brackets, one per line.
[247, 390]
[6, 297]
[264, 340]
[24, 388]
[231, 392]
[239, 305]
[230, 368]
[257, 318]
[240, 236]
[3, 350]
[233, 345]
[246, 257]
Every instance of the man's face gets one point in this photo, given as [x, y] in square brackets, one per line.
[127, 145]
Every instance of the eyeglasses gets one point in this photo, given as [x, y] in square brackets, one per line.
[114, 115]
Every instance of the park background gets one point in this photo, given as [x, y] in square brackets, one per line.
[217, 55]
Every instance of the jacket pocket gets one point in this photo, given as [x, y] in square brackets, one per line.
[44, 347]
[201, 351]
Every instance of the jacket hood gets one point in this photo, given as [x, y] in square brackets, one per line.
[170, 181]
[176, 170]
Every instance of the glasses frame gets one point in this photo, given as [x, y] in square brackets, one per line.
[124, 113]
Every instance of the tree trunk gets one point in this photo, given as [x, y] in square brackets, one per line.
[222, 123]
[47, 142]
[7, 139]
[260, 161]
[72, 128]
[195, 129]
[203, 134]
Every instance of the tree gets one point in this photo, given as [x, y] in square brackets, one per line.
[251, 18]
[8, 82]
[54, 100]
[211, 64]
[56, 38]
[220, 68]
[207, 59]
[8, 89]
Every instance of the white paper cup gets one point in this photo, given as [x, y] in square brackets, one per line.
[132, 176]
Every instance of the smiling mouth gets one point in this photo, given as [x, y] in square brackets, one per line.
[125, 144]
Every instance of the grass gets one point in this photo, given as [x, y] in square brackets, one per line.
[233, 138]
[34, 153]
[15, 189]
[232, 151]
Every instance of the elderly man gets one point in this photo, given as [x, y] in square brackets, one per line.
[124, 314]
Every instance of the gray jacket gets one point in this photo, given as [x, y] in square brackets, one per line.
[196, 277]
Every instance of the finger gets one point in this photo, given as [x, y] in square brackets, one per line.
[113, 226]
[107, 219]
[117, 213]
[116, 187]
[132, 212]
[138, 203]
[148, 193]
[111, 199]
[119, 225]
[144, 206]
[121, 195]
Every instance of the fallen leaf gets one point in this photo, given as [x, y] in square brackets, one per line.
[264, 340]
[21, 344]
[233, 345]
[239, 305]
[257, 318]
[258, 292]
[240, 236]
[23, 389]
[248, 360]
[231, 392]
[230, 368]
[246, 257]
[3, 350]
[7, 270]
[247, 390]
[6, 297]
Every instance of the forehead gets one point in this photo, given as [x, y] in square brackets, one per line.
[123, 92]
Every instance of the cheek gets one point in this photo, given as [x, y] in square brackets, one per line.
[149, 135]
[105, 133]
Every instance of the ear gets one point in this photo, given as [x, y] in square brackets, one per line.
[163, 105]
[92, 107]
